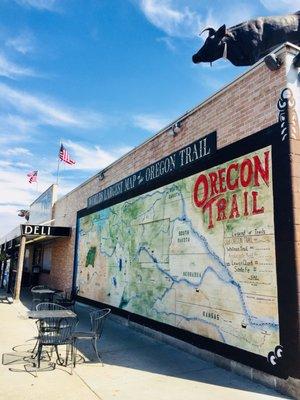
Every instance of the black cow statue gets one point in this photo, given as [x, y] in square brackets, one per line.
[248, 42]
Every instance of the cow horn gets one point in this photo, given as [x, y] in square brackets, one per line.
[211, 31]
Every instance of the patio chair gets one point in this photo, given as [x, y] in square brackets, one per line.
[47, 323]
[60, 334]
[68, 299]
[97, 324]
[37, 297]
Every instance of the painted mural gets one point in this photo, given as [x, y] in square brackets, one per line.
[198, 254]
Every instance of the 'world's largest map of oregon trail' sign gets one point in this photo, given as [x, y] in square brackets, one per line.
[197, 254]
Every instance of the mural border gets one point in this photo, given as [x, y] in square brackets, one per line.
[281, 361]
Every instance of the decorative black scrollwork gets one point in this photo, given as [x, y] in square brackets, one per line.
[287, 116]
[274, 357]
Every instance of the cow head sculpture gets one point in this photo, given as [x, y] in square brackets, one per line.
[213, 47]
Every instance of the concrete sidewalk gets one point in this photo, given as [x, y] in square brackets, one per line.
[135, 367]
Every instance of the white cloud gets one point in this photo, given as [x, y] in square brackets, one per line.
[94, 157]
[44, 111]
[12, 164]
[185, 19]
[23, 43]
[48, 5]
[284, 6]
[16, 122]
[23, 165]
[150, 122]
[12, 70]
[17, 193]
[9, 138]
[174, 21]
[4, 163]
[9, 218]
[18, 151]
[168, 42]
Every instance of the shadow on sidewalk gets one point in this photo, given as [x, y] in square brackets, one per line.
[124, 347]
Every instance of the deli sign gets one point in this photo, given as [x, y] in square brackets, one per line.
[44, 230]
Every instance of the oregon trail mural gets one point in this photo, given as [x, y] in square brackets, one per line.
[198, 254]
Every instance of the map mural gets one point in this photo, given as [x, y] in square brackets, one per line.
[198, 254]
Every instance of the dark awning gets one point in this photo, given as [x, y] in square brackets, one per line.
[35, 233]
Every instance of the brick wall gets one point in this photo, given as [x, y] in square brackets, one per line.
[247, 105]
[244, 107]
[61, 272]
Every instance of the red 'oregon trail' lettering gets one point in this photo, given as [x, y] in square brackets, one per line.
[231, 192]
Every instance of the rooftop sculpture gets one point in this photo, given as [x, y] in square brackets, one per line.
[246, 43]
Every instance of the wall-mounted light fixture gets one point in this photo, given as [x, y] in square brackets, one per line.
[101, 176]
[24, 213]
[176, 128]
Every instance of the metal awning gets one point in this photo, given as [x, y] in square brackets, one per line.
[29, 233]
[29, 230]
[33, 233]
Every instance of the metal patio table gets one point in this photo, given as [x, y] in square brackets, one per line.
[43, 314]
[48, 315]
[45, 293]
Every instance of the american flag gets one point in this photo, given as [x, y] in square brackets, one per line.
[64, 155]
[32, 176]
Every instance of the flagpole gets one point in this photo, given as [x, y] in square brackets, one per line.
[58, 164]
[57, 172]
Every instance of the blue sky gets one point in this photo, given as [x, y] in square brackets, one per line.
[102, 76]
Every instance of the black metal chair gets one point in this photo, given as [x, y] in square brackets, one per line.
[97, 324]
[68, 299]
[36, 296]
[58, 333]
[48, 323]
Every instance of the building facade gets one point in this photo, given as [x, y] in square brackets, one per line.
[196, 234]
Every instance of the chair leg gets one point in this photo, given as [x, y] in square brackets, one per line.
[72, 357]
[67, 354]
[74, 352]
[51, 352]
[38, 361]
[39, 355]
[35, 346]
[94, 342]
[57, 355]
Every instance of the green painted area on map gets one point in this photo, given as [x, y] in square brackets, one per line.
[91, 255]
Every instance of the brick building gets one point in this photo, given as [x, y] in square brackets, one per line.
[260, 106]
